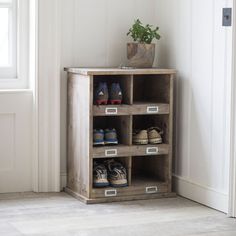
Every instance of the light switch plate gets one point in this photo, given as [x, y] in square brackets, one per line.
[227, 17]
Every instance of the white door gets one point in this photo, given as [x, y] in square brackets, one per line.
[15, 141]
[15, 100]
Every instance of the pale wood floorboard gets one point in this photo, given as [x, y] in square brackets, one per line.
[62, 215]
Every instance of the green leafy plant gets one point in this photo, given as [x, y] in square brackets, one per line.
[143, 34]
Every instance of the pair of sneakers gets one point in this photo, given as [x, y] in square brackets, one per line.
[104, 137]
[109, 173]
[151, 136]
[103, 96]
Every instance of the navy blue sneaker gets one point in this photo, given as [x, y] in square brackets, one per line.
[98, 137]
[115, 94]
[101, 94]
[110, 136]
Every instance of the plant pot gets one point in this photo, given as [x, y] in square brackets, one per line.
[140, 55]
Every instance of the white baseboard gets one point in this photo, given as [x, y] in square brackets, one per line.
[200, 193]
[63, 180]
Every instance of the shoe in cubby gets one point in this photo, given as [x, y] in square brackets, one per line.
[101, 94]
[152, 129]
[110, 137]
[117, 173]
[116, 129]
[99, 175]
[117, 89]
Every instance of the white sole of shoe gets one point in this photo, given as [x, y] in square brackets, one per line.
[141, 141]
[155, 141]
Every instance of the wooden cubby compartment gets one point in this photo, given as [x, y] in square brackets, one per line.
[120, 123]
[149, 170]
[151, 89]
[123, 80]
[143, 122]
[147, 102]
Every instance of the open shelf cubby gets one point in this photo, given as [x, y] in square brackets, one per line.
[151, 89]
[144, 122]
[147, 102]
[123, 80]
[149, 170]
[120, 123]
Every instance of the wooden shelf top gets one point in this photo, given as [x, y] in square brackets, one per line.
[118, 71]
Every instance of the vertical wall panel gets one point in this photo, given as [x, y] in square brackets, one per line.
[198, 47]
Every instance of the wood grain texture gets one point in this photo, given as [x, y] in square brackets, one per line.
[171, 121]
[117, 71]
[120, 198]
[137, 188]
[131, 150]
[138, 108]
[142, 150]
[78, 135]
[120, 151]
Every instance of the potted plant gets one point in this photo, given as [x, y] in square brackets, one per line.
[141, 53]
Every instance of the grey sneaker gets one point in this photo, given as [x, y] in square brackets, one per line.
[117, 175]
[99, 175]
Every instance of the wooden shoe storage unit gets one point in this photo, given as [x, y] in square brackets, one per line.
[147, 102]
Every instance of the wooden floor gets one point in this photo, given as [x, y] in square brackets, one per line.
[61, 215]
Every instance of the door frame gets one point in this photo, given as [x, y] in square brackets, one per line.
[232, 173]
[46, 86]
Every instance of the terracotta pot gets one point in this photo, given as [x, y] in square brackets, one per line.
[140, 55]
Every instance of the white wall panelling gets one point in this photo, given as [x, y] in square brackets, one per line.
[195, 43]
[48, 87]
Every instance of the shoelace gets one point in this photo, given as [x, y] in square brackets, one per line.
[160, 131]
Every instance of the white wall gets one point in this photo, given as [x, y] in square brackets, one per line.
[195, 43]
[94, 34]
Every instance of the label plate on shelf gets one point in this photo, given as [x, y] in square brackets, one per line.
[111, 111]
[151, 189]
[152, 150]
[110, 193]
[111, 152]
[152, 109]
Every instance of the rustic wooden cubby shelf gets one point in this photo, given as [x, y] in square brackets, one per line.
[147, 102]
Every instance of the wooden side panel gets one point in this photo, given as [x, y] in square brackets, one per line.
[171, 117]
[78, 135]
